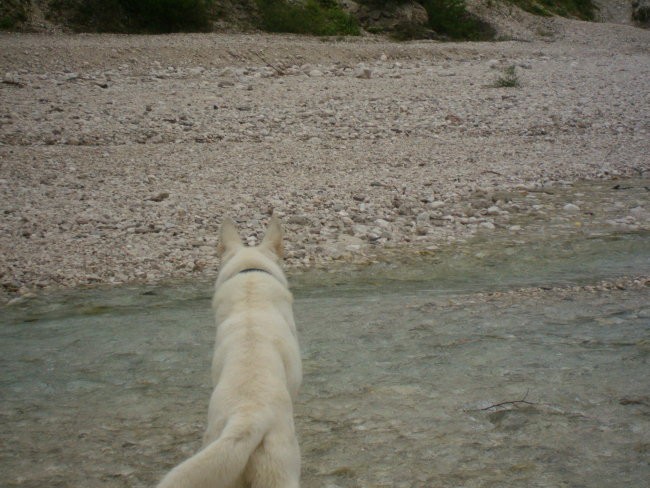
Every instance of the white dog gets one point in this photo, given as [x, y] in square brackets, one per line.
[250, 440]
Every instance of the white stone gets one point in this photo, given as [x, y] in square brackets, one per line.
[571, 208]
[487, 225]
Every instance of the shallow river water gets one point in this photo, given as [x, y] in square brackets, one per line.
[495, 362]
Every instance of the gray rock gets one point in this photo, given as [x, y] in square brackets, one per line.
[571, 208]
[159, 197]
[638, 212]
[487, 225]
[423, 219]
[363, 73]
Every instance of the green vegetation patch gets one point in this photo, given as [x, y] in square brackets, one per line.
[130, 16]
[508, 78]
[451, 18]
[13, 13]
[319, 18]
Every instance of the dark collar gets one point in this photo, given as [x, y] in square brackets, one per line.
[251, 270]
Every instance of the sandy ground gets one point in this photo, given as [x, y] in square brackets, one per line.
[120, 155]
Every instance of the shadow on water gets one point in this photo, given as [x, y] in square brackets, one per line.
[414, 377]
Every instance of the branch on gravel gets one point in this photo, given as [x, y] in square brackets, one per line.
[277, 70]
[514, 403]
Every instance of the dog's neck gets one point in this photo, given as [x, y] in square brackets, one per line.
[274, 272]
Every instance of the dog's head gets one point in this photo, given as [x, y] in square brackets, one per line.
[237, 257]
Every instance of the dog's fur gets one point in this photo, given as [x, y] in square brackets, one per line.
[250, 440]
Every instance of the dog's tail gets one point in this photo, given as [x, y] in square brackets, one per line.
[220, 463]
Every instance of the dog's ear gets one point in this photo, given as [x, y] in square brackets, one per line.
[229, 239]
[273, 237]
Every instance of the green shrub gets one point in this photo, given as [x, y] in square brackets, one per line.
[151, 16]
[168, 15]
[450, 17]
[640, 14]
[508, 79]
[13, 13]
[11, 21]
[323, 18]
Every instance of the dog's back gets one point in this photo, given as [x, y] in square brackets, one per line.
[250, 439]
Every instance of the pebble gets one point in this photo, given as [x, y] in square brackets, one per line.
[363, 73]
[638, 212]
[159, 197]
[487, 225]
[571, 208]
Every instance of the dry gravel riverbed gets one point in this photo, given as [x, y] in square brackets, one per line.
[120, 155]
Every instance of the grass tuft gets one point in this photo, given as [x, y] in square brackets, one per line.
[508, 78]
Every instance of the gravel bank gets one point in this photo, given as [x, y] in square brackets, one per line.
[119, 155]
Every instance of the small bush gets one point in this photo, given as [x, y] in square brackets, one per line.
[451, 18]
[640, 13]
[509, 79]
[321, 19]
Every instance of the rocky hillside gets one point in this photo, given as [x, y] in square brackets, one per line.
[401, 18]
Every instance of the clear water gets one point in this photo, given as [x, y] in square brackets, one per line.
[405, 365]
